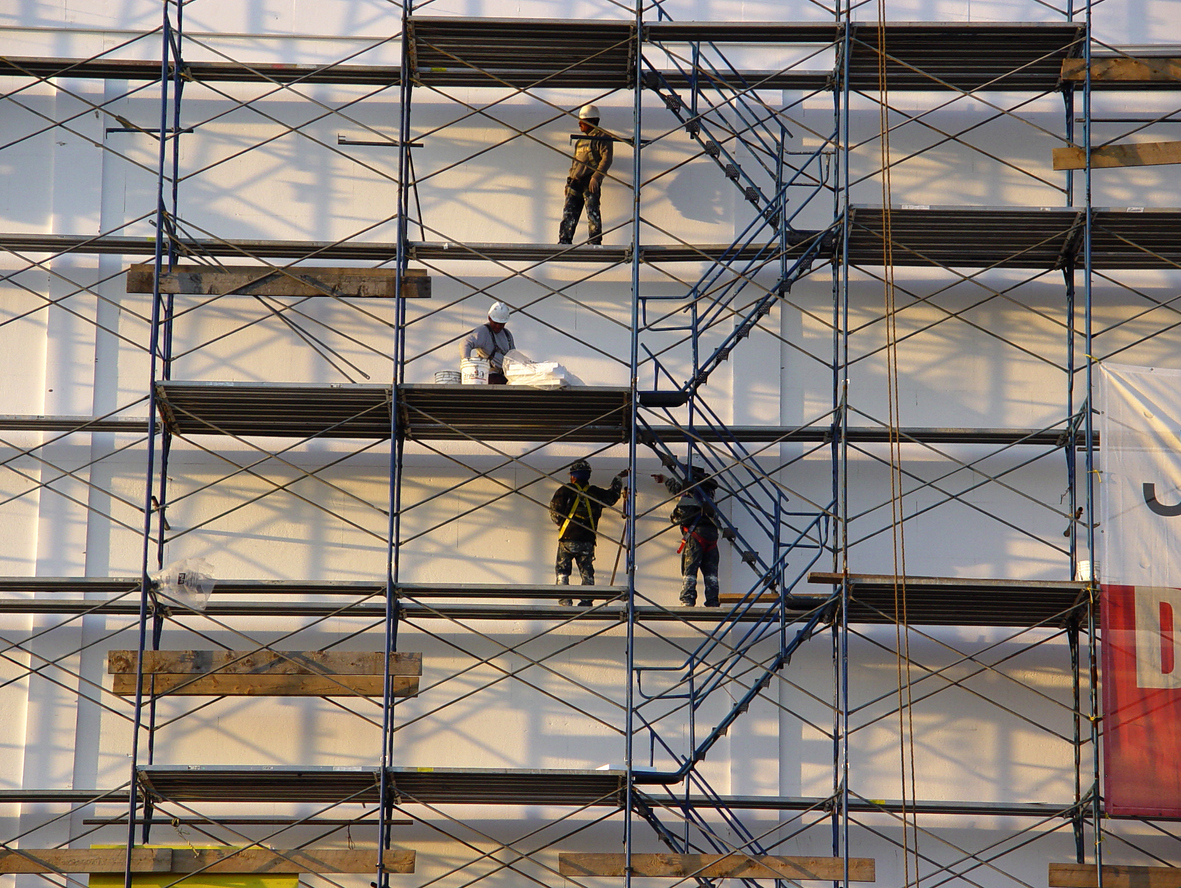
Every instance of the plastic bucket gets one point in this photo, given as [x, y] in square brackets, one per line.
[474, 371]
[1087, 572]
[448, 377]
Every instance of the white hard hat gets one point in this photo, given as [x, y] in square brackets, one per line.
[499, 313]
[589, 112]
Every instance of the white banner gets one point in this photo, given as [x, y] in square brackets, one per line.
[1140, 482]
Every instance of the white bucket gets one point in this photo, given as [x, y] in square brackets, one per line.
[474, 371]
[1087, 571]
[448, 377]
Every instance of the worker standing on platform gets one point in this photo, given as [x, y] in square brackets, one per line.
[696, 515]
[491, 340]
[576, 508]
[592, 159]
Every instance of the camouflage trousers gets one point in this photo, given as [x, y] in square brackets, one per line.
[578, 195]
[699, 554]
[581, 551]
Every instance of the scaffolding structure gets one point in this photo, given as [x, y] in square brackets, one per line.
[238, 355]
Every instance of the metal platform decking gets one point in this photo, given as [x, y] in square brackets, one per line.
[949, 601]
[934, 601]
[969, 237]
[526, 53]
[423, 251]
[425, 412]
[471, 786]
[1029, 237]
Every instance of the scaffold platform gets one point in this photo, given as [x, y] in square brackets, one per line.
[361, 785]
[950, 601]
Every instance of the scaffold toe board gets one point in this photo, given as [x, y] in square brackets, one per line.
[475, 786]
[197, 248]
[1034, 237]
[514, 413]
[512, 591]
[107, 68]
[862, 434]
[522, 53]
[275, 409]
[951, 601]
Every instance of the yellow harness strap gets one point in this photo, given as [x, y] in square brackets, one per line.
[580, 497]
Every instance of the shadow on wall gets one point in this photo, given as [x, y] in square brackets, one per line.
[698, 197]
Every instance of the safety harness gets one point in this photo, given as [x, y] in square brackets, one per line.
[691, 530]
[579, 498]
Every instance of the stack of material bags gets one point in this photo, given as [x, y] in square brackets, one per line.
[541, 374]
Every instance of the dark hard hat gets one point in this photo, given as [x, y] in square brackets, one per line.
[580, 466]
[701, 477]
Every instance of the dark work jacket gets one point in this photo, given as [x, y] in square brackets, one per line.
[581, 526]
[693, 515]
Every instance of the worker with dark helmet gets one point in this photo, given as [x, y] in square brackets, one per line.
[592, 159]
[576, 508]
[695, 514]
[492, 341]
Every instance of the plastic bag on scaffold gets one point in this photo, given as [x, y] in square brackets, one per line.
[188, 582]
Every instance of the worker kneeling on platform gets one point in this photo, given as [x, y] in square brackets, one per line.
[576, 508]
[695, 514]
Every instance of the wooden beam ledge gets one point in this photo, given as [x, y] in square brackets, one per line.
[1123, 70]
[265, 673]
[1132, 154]
[300, 281]
[717, 866]
[1086, 875]
[178, 861]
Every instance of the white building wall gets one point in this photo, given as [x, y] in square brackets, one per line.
[271, 168]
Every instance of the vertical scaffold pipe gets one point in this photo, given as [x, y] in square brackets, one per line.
[840, 449]
[149, 482]
[394, 499]
[630, 520]
[1088, 332]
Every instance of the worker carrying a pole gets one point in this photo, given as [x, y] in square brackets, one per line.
[696, 515]
[491, 341]
[592, 159]
[576, 508]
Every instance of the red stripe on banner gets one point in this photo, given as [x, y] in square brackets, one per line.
[1141, 712]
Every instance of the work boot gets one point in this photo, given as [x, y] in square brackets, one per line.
[585, 602]
[565, 602]
[712, 602]
[689, 599]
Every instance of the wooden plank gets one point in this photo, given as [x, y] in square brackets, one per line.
[1124, 70]
[763, 598]
[211, 860]
[303, 860]
[718, 866]
[1131, 154]
[1083, 875]
[223, 685]
[296, 281]
[265, 662]
[85, 860]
